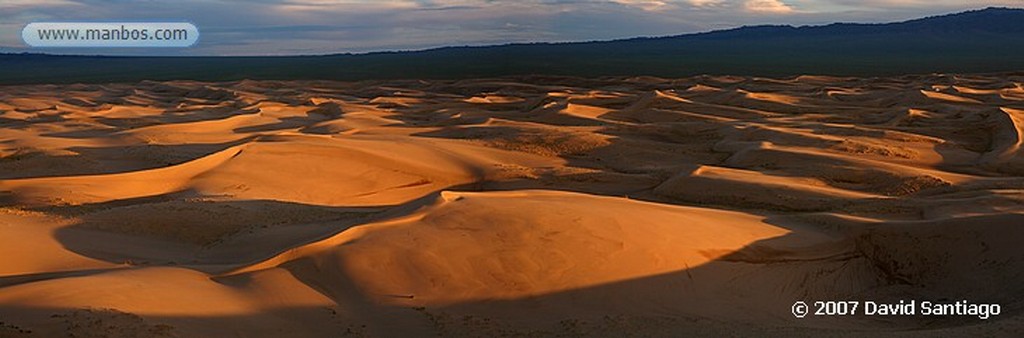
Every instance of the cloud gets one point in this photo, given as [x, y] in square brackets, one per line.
[925, 3]
[768, 6]
[706, 3]
[647, 5]
[34, 3]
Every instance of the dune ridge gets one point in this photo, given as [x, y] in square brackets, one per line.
[528, 206]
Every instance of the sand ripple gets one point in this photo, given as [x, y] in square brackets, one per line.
[521, 206]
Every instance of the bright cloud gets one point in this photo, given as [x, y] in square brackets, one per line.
[767, 6]
[706, 3]
[650, 5]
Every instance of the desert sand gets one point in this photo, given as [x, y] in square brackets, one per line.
[533, 206]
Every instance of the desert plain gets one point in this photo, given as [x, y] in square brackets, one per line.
[521, 206]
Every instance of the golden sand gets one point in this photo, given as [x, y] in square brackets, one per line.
[528, 206]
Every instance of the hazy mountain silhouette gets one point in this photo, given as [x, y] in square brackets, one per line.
[988, 40]
[991, 20]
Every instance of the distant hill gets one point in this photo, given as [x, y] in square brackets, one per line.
[988, 40]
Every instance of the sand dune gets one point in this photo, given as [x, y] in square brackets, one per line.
[521, 206]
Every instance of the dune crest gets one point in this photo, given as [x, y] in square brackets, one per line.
[520, 206]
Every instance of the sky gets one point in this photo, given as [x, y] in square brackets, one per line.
[303, 27]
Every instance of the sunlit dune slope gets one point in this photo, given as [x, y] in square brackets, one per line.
[517, 206]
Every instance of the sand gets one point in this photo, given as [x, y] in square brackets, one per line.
[534, 206]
